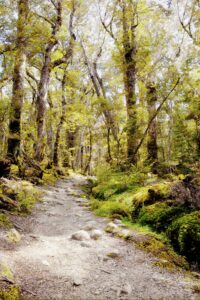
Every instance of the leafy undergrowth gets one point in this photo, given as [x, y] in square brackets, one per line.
[167, 210]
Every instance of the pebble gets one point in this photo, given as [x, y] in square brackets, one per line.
[86, 245]
[125, 233]
[77, 282]
[90, 226]
[112, 228]
[96, 234]
[80, 235]
[117, 222]
[45, 263]
[125, 290]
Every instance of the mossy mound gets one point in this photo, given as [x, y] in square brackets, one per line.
[110, 209]
[151, 193]
[114, 182]
[167, 257]
[184, 234]
[19, 196]
[160, 215]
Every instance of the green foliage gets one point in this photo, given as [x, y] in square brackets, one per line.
[184, 234]
[123, 197]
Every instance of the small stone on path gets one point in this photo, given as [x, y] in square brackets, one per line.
[77, 282]
[86, 245]
[112, 228]
[96, 234]
[80, 235]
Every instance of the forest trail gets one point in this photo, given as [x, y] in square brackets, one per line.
[50, 264]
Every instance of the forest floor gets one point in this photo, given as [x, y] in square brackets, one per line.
[48, 264]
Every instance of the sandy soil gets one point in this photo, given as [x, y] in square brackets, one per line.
[50, 265]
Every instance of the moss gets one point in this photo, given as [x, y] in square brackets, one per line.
[14, 236]
[11, 294]
[167, 257]
[4, 220]
[143, 195]
[113, 182]
[110, 209]
[5, 271]
[21, 195]
[27, 197]
[160, 215]
[184, 234]
[49, 177]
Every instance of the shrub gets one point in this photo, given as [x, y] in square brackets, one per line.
[184, 234]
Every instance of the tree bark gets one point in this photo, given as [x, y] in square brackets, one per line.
[130, 49]
[152, 147]
[60, 125]
[14, 139]
[44, 84]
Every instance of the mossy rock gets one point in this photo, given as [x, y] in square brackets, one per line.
[184, 234]
[160, 215]
[151, 193]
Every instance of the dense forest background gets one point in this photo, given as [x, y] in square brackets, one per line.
[83, 83]
[107, 88]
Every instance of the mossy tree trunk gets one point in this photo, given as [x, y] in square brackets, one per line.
[130, 50]
[14, 139]
[64, 84]
[62, 120]
[152, 147]
[44, 83]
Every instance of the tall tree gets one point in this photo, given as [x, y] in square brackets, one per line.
[152, 146]
[44, 81]
[130, 23]
[14, 139]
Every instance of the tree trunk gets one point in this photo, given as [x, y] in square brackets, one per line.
[60, 125]
[152, 147]
[109, 159]
[88, 165]
[14, 139]
[44, 84]
[130, 49]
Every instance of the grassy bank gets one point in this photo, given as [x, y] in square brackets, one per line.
[164, 210]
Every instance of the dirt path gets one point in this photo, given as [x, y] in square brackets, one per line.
[53, 266]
